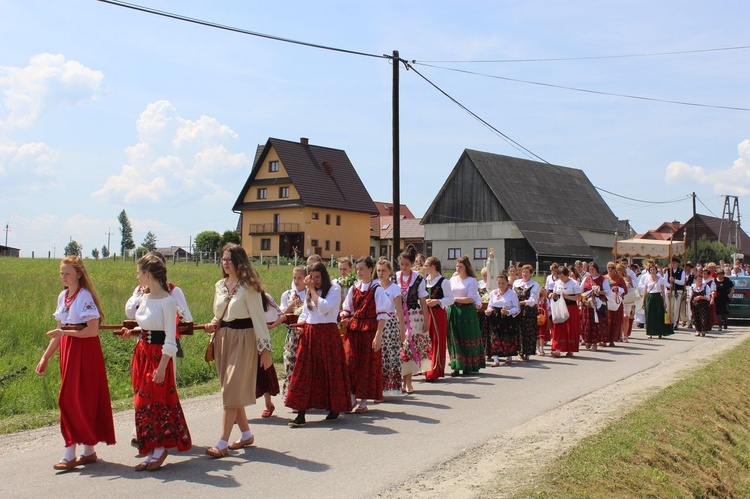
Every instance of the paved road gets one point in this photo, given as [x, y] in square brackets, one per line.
[357, 456]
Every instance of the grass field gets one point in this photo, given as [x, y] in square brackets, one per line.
[28, 297]
[691, 440]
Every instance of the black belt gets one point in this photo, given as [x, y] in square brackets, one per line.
[570, 302]
[245, 323]
[154, 337]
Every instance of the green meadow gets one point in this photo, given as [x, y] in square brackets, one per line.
[28, 297]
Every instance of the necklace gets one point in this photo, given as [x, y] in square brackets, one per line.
[404, 284]
[68, 300]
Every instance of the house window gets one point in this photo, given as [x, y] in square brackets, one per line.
[283, 192]
[273, 166]
[314, 243]
[454, 253]
[338, 219]
[262, 193]
[265, 244]
[338, 246]
[480, 253]
[328, 219]
[328, 245]
[315, 216]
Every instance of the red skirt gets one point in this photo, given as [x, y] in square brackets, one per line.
[85, 407]
[437, 325]
[365, 366]
[266, 382]
[594, 332]
[565, 334]
[319, 379]
[159, 420]
[614, 320]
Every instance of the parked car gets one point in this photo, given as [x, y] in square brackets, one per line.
[739, 303]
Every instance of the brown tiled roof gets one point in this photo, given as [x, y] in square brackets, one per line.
[324, 177]
[385, 209]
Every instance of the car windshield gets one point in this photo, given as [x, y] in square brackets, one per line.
[741, 282]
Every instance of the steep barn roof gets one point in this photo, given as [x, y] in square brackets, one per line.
[548, 203]
[324, 177]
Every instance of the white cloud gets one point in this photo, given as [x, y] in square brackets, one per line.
[733, 180]
[47, 83]
[176, 156]
[28, 165]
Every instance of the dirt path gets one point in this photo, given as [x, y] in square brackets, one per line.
[511, 461]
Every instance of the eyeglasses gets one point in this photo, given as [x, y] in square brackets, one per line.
[226, 260]
[610, 268]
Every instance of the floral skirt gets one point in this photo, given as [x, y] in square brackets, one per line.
[290, 357]
[465, 338]
[504, 334]
[320, 379]
[159, 420]
[391, 358]
[527, 330]
[419, 340]
[594, 332]
[701, 310]
[365, 365]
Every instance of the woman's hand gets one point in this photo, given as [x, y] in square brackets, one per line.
[377, 343]
[265, 359]
[210, 327]
[41, 368]
[158, 376]
[54, 333]
[345, 320]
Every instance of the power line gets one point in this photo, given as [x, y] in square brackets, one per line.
[237, 30]
[706, 207]
[584, 90]
[589, 58]
[641, 200]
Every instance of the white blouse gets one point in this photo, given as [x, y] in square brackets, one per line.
[392, 292]
[245, 303]
[327, 310]
[447, 299]
[132, 304]
[651, 286]
[158, 314]
[288, 296]
[421, 291]
[509, 300]
[572, 287]
[466, 288]
[82, 310]
[381, 299]
[533, 295]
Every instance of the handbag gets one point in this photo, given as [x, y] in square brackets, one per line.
[613, 301]
[559, 310]
[209, 354]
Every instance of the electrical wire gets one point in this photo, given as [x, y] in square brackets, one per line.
[706, 207]
[237, 30]
[590, 58]
[641, 200]
[584, 90]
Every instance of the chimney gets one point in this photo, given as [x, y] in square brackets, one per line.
[304, 141]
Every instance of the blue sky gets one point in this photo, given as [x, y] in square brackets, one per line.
[103, 108]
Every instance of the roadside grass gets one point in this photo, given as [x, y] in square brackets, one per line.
[690, 440]
[28, 296]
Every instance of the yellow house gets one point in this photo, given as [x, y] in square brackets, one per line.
[304, 199]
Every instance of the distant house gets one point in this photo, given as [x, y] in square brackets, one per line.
[381, 230]
[664, 232]
[175, 253]
[529, 212]
[302, 198]
[715, 229]
[8, 251]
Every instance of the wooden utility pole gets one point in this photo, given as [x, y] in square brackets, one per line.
[396, 61]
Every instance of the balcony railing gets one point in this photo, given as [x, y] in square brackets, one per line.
[273, 228]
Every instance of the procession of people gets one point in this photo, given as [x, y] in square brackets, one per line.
[352, 342]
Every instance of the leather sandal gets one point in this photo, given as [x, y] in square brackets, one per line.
[156, 464]
[143, 466]
[91, 458]
[217, 453]
[65, 465]
[267, 413]
[240, 444]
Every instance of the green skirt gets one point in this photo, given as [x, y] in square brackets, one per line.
[655, 323]
[465, 338]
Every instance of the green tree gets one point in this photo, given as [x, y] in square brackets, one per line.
[95, 253]
[710, 251]
[149, 242]
[73, 249]
[126, 231]
[230, 236]
[208, 241]
[105, 251]
[140, 251]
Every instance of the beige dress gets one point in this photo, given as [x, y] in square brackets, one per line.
[237, 350]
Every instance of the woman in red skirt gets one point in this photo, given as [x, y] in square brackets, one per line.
[85, 409]
[364, 314]
[159, 421]
[439, 298]
[565, 334]
[319, 379]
